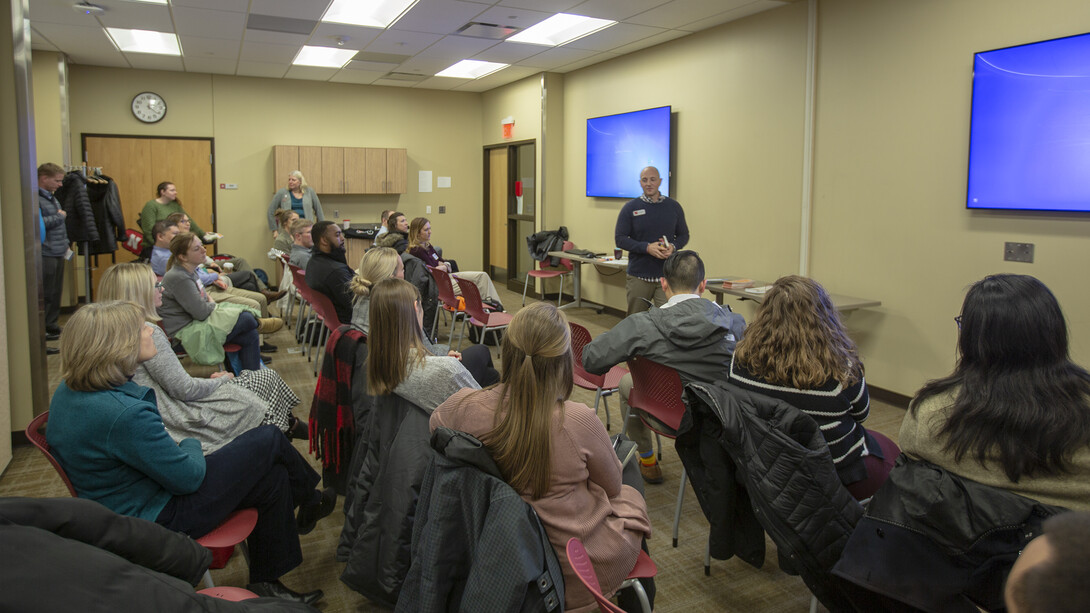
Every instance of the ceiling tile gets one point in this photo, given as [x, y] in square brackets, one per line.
[209, 24]
[40, 43]
[271, 54]
[680, 12]
[297, 9]
[261, 69]
[555, 57]
[212, 65]
[380, 67]
[356, 37]
[751, 8]
[137, 16]
[421, 64]
[360, 77]
[193, 47]
[438, 16]
[590, 61]
[59, 11]
[551, 6]
[394, 83]
[235, 6]
[498, 79]
[150, 61]
[402, 43]
[509, 53]
[617, 35]
[115, 61]
[650, 41]
[460, 47]
[439, 83]
[520, 18]
[310, 73]
[87, 42]
[619, 10]
[276, 38]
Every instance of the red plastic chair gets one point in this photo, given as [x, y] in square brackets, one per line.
[549, 273]
[448, 301]
[221, 541]
[299, 279]
[580, 562]
[657, 391]
[604, 385]
[323, 306]
[231, 594]
[478, 316]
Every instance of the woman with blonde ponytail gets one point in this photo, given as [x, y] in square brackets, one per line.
[375, 265]
[554, 452]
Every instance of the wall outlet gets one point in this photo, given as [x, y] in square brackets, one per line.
[336, 213]
[427, 210]
[1018, 252]
[442, 210]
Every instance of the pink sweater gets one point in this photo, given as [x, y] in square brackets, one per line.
[585, 499]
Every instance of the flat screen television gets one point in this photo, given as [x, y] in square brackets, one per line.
[1029, 141]
[619, 146]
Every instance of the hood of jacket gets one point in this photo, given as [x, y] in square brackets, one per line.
[697, 323]
[390, 239]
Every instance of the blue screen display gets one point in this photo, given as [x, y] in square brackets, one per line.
[1029, 144]
[620, 146]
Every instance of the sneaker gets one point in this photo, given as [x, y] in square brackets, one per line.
[268, 325]
[268, 348]
[651, 473]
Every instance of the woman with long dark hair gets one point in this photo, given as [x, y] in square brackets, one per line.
[796, 349]
[1014, 413]
[554, 452]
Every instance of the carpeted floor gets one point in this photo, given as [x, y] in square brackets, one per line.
[682, 586]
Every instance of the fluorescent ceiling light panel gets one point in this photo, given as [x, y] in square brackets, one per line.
[145, 41]
[560, 29]
[370, 13]
[148, 1]
[326, 57]
[471, 69]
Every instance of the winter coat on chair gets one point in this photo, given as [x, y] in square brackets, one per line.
[416, 272]
[486, 552]
[74, 200]
[542, 243]
[789, 476]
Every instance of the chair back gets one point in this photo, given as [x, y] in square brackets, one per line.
[564, 262]
[299, 278]
[580, 337]
[656, 389]
[584, 569]
[445, 287]
[34, 435]
[325, 309]
[472, 296]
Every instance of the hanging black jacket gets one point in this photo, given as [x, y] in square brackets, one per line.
[109, 221]
[416, 272]
[542, 243]
[74, 200]
[477, 545]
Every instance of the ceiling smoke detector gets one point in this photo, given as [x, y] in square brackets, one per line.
[88, 9]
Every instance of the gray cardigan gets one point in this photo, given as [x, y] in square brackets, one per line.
[183, 300]
[312, 207]
[431, 383]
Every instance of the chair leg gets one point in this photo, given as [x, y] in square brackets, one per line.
[525, 286]
[323, 338]
[708, 556]
[658, 439]
[560, 291]
[813, 603]
[641, 593]
[680, 499]
[434, 320]
[208, 579]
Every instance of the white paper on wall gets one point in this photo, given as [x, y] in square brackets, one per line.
[425, 181]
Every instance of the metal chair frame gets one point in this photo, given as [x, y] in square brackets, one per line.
[541, 273]
[478, 316]
[604, 385]
[584, 569]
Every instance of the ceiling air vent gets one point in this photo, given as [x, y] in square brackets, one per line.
[487, 30]
[405, 76]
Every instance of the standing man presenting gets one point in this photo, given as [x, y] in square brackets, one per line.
[649, 228]
[54, 245]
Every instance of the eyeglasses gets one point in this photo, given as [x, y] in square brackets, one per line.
[158, 285]
[957, 320]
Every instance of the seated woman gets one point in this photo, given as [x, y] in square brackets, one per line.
[284, 219]
[554, 452]
[796, 349]
[106, 432]
[420, 246]
[398, 359]
[215, 410]
[376, 265]
[397, 233]
[201, 324]
[1014, 414]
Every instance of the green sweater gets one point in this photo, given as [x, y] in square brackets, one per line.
[154, 212]
[116, 451]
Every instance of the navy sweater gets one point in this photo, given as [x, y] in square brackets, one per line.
[641, 223]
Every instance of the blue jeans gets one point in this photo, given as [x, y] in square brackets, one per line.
[259, 469]
[244, 334]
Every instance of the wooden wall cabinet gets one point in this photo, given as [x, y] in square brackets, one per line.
[343, 170]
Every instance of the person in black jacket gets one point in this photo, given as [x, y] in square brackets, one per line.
[54, 245]
[327, 270]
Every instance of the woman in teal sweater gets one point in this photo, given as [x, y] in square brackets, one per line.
[106, 433]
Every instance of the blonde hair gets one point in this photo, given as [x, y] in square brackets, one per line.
[395, 335]
[796, 338]
[101, 345]
[132, 282]
[376, 265]
[302, 179]
[415, 226]
[536, 362]
[179, 245]
[299, 226]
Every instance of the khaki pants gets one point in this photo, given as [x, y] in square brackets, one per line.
[639, 292]
[235, 295]
[636, 431]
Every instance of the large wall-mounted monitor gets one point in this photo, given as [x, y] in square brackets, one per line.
[1029, 142]
[619, 146]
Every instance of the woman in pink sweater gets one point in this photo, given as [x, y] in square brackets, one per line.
[527, 417]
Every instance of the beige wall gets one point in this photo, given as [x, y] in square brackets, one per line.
[48, 138]
[247, 116]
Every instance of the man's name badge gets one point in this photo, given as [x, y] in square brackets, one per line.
[639, 212]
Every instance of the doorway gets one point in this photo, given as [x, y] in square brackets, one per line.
[510, 210]
[138, 164]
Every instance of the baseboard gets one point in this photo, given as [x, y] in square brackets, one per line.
[896, 399]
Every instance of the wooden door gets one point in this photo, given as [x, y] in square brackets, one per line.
[285, 160]
[138, 165]
[396, 173]
[497, 210]
[355, 170]
[333, 170]
[375, 177]
[310, 164]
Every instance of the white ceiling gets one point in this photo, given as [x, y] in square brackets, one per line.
[215, 38]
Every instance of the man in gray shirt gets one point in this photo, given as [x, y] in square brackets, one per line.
[302, 243]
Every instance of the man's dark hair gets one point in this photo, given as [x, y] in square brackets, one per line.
[160, 227]
[1059, 584]
[318, 231]
[684, 270]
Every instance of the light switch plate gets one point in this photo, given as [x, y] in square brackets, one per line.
[1018, 252]
[427, 210]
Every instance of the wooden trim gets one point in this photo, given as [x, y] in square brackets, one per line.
[896, 399]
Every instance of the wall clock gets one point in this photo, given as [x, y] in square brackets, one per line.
[149, 107]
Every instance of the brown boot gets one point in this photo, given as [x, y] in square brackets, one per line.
[268, 325]
[272, 296]
[651, 472]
